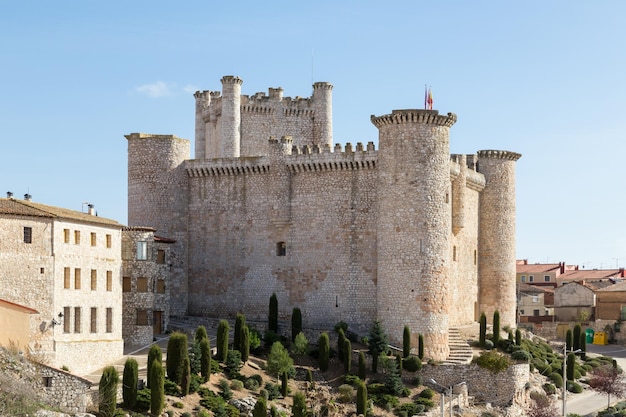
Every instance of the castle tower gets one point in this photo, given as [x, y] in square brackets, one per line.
[203, 101]
[496, 236]
[231, 116]
[414, 227]
[157, 197]
[323, 124]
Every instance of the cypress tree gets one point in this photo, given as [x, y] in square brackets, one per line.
[568, 339]
[129, 383]
[406, 342]
[583, 346]
[323, 345]
[296, 323]
[361, 398]
[576, 337]
[496, 327]
[341, 340]
[420, 347]
[157, 388]
[260, 408]
[185, 379]
[222, 340]
[347, 356]
[483, 331]
[240, 321]
[571, 362]
[205, 359]
[518, 337]
[362, 367]
[107, 391]
[200, 334]
[154, 353]
[272, 324]
[176, 353]
[299, 405]
[244, 346]
[283, 384]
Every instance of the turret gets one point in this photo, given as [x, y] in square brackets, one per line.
[323, 123]
[203, 101]
[231, 116]
[413, 243]
[496, 238]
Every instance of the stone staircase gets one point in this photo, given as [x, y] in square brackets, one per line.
[460, 351]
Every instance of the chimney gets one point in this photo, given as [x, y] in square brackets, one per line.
[9, 194]
[562, 265]
[621, 272]
[27, 197]
[91, 210]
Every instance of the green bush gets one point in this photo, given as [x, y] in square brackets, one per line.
[426, 402]
[251, 384]
[493, 361]
[107, 391]
[346, 392]
[171, 388]
[549, 389]
[521, 355]
[557, 379]
[225, 392]
[362, 367]
[323, 345]
[200, 334]
[385, 401]
[143, 401]
[341, 339]
[233, 362]
[427, 393]
[299, 405]
[412, 364]
[488, 344]
[236, 385]
[574, 387]
[195, 382]
[273, 390]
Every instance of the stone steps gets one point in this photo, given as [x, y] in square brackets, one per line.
[460, 351]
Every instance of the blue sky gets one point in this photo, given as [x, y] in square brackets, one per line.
[545, 79]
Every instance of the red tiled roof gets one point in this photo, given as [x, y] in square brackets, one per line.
[589, 274]
[536, 268]
[32, 209]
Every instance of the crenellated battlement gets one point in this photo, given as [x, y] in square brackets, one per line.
[414, 116]
[495, 154]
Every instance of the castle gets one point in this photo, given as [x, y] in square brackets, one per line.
[407, 234]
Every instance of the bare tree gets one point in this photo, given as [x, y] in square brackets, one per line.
[541, 406]
[608, 380]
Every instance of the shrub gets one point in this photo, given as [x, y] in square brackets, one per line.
[296, 323]
[571, 363]
[157, 394]
[426, 402]
[300, 345]
[270, 337]
[107, 391]
[493, 361]
[346, 393]
[222, 340]
[406, 342]
[549, 389]
[361, 399]
[153, 354]
[255, 340]
[299, 405]
[574, 387]
[237, 385]
[251, 384]
[521, 355]
[488, 344]
[171, 388]
[323, 345]
[273, 390]
[557, 379]
[412, 364]
[176, 352]
[427, 393]
[284, 388]
[225, 391]
[568, 339]
[260, 408]
[272, 317]
[233, 362]
[195, 382]
[129, 383]
[576, 337]
[178, 404]
[518, 337]
[385, 401]
[143, 401]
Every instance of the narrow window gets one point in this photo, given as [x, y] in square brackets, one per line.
[66, 278]
[28, 235]
[160, 287]
[77, 237]
[93, 328]
[447, 198]
[281, 249]
[66, 235]
[142, 284]
[77, 278]
[160, 257]
[76, 319]
[109, 280]
[142, 251]
[531, 278]
[546, 278]
[126, 284]
[475, 257]
[93, 239]
[94, 280]
[47, 381]
[142, 317]
[454, 253]
[109, 320]
[523, 278]
[66, 320]
[535, 312]
[108, 241]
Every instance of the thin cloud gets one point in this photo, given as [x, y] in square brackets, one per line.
[190, 89]
[156, 90]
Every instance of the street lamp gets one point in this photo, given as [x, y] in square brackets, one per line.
[565, 376]
[444, 391]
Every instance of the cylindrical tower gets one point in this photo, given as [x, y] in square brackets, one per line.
[203, 100]
[323, 125]
[231, 116]
[157, 198]
[496, 235]
[413, 241]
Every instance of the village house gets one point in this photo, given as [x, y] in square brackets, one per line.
[544, 275]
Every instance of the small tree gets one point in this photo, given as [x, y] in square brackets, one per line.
[406, 342]
[571, 363]
[323, 346]
[157, 388]
[518, 337]
[205, 359]
[233, 362]
[244, 345]
[347, 356]
[185, 379]
[176, 353]
[278, 361]
[300, 345]
[583, 346]
[129, 383]
[260, 408]
[362, 367]
[154, 353]
[607, 380]
[299, 405]
[296, 323]
[200, 334]
[341, 339]
[420, 347]
[576, 337]
[361, 398]
[273, 314]
[222, 340]
[240, 321]
[483, 331]
[107, 391]
[378, 342]
[568, 339]
[393, 381]
[496, 327]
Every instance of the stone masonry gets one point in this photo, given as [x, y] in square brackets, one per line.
[407, 234]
